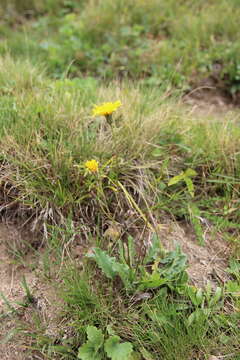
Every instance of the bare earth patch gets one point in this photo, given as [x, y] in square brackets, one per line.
[209, 99]
[207, 263]
[11, 275]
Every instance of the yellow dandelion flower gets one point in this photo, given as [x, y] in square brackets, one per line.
[106, 108]
[92, 165]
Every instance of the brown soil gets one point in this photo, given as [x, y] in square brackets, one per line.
[11, 275]
[207, 263]
[208, 97]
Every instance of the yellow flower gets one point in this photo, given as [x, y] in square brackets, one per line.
[106, 108]
[92, 165]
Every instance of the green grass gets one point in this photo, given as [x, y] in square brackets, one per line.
[158, 327]
[158, 160]
[165, 44]
[48, 133]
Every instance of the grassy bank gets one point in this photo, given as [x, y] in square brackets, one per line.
[128, 211]
[155, 160]
[178, 44]
[48, 133]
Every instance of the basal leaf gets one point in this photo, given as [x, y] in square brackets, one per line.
[150, 281]
[104, 261]
[175, 263]
[116, 350]
[87, 352]
[95, 336]
[124, 272]
[90, 350]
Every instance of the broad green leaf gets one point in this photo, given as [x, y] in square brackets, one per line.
[191, 318]
[116, 350]
[87, 352]
[111, 267]
[150, 281]
[208, 291]
[175, 264]
[90, 350]
[191, 292]
[196, 295]
[104, 261]
[198, 316]
[95, 336]
[124, 272]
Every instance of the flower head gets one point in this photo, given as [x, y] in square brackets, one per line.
[92, 165]
[106, 108]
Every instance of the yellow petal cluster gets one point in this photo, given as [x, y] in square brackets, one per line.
[92, 165]
[106, 108]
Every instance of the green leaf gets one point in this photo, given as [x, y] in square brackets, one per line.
[184, 176]
[216, 297]
[135, 356]
[112, 268]
[190, 172]
[90, 350]
[176, 179]
[150, 281]
[196, 295]
[116, 350]
[158, 317]
[125, 273]
[190, 186]
[95, 336]
[104, 261]
[175, 263]
[87, 352]
[154, 250]
[199, 297]
[198, 316]
[233, 288]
